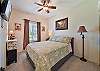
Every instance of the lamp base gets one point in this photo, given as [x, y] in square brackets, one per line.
[83, 59]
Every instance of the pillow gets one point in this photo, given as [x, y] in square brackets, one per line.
[59, 38]
[62, 39]
[53, 38]
[66, 40]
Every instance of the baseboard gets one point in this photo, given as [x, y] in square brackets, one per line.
[89, 60]
[2, 69]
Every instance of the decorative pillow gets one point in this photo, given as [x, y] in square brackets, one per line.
[66, 40]
[62, 39]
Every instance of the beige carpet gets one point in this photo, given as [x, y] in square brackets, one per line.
[73, 64]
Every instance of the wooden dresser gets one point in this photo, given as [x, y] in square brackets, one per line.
[11, 52]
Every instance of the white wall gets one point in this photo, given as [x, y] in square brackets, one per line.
[18, 16]
[83, 14]
[3, 37]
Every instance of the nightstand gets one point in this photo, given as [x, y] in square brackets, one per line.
[11, 52]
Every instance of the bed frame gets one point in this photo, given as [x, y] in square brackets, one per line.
[59, 63]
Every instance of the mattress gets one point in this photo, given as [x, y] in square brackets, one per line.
[47, 53]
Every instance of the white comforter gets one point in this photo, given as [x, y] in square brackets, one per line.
[47, 53]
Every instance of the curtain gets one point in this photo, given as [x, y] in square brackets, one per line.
[38, 31]
[26, 33]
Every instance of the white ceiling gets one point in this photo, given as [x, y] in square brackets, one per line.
[30, 7]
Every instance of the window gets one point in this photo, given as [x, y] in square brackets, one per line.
[32, 31]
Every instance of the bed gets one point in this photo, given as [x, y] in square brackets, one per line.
[50, 55]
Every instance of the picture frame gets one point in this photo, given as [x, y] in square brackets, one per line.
[17, 26]
[62, 24]
[43, 28]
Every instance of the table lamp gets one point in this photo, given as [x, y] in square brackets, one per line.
[11, 34]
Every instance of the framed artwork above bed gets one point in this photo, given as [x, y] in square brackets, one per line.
[62, 24]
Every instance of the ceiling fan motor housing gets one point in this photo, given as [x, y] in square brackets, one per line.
[45, 1]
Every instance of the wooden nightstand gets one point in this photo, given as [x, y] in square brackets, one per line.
[11, 52]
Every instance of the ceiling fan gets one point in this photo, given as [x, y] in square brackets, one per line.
[45, 5]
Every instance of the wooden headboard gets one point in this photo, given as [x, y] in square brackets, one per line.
[72, 45]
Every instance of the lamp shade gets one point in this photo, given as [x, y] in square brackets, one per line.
[11, 32]
[50, 33]
[82, 29]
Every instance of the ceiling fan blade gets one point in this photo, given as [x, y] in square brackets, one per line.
[48, 1]
[38, 4]
[40, 9]
[47, 11]
[52, 7]
[44, 2]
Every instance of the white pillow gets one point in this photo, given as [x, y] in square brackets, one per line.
[63, 39]
[59, 38]
[52, 38]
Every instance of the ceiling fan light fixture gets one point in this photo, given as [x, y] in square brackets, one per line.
[46, 5]
[45, 8]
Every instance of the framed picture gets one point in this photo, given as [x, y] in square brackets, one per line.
[17, 26]
[43, 28]
[62, 24]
